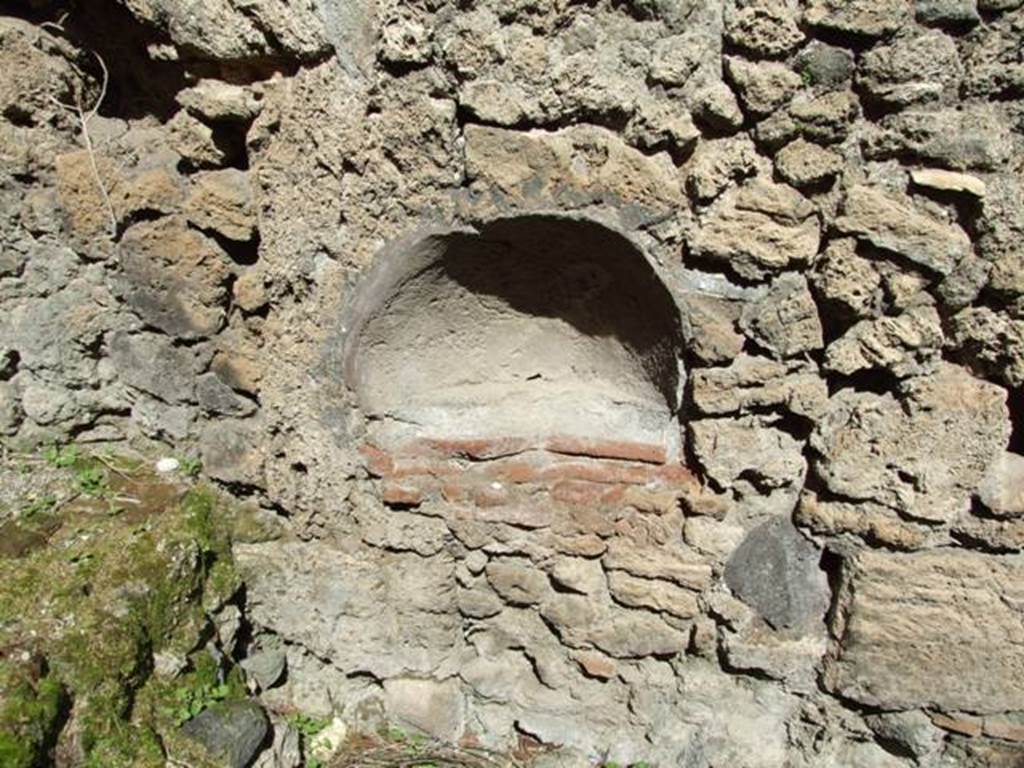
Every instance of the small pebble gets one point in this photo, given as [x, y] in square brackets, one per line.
[167, 464]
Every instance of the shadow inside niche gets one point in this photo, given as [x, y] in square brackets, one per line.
[535, 324]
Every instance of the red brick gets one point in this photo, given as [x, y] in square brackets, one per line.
[454, 491]
[607, 449]
[402, 493]
[597, 471]
[479, 449]
[482, 493]
[1002, 729]
[676, 475]
[584, 493]
[511, 471]
[957, 724]
[378, 462]
[421, 467]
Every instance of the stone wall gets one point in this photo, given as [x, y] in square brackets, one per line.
[803, 263]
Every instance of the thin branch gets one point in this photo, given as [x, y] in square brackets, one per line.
[84, 116]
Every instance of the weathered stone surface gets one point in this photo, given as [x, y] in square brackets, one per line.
[578, 575]
[764, 28]
[151, 362]
[991, 342]
[731, 450]
[1001, 232]
[977, 137]
[636, 634]
[400, 531]
[948, 181]
[433, 708]
[825, 65]
[225, 29]
[912, 68]
[847, 280]
[674, 59]
[875, 523]
[654, 595]
[953, 13]
[193, 140]
[232, 450]
[964, 284]
[232, 731]
[45, 70]
[658, 124]
[870, 18]
[1002, 488]
[675, 564]
[758, 229]
[566, 608]
[892, 222]
[762, 86]
[215, 396]
[84, 204]
[775, 571]
[908, 344]
[717, 164]
[216, 100]
[621, 633]
[265, 666]
[785, 321]
[876, 448]
[576, 165]
[804, 164]
[713, 324]
[911, 730]
[222, 201]
[391, 615]
[174, 277]
[824, 118]
[753, 383]
[517, 582]
[715, 104]
[930, 629]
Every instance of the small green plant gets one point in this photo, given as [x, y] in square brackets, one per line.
[189, 702]
[92, 481]
[190, 466]
[309, 728]
[41, 506]
[62, 455]
[807, 76]
[307, 725]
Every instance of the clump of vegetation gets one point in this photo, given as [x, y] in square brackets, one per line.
[88, 610]
[308, 728]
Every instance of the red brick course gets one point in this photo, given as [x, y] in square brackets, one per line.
[572, 472]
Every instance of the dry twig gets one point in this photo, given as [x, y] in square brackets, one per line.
[423, 755]
[84, 116]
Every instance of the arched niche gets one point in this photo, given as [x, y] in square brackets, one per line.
[530, 327]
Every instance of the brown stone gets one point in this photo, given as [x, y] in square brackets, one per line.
[404, 494]
[677, 565]
[517, 582]
[940, 628]
[961, 725]
[655, 595]
[174, 277]
[596, 665]
[1002, 729]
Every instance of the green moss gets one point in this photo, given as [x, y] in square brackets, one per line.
[97, 602]
[30, 715]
